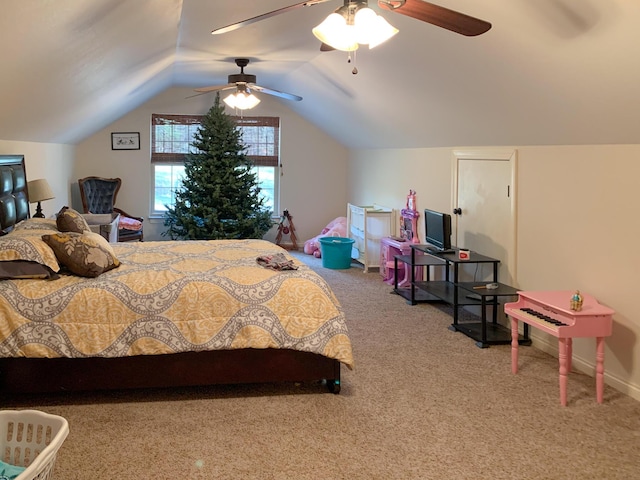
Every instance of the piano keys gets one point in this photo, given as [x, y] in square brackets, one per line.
[550, 312]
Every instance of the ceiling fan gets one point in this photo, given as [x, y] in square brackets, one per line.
[244, 84]
[424, 11]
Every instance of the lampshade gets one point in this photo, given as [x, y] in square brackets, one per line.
[243, 99]
[352, 25]
[372, 29]
[39, 190]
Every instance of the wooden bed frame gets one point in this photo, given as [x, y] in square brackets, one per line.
[30, 375]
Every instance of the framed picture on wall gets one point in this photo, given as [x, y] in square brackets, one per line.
[125, 141]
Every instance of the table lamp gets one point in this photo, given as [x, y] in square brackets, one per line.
[39, 191]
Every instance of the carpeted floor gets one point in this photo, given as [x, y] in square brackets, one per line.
[422, 403]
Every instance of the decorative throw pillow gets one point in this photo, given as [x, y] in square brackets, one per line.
[103, 242]
[86, 255]
[27, 245]
[69, 220]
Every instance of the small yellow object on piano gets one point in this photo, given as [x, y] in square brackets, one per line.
[576, 301]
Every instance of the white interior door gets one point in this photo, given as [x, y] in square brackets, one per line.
[484, 199]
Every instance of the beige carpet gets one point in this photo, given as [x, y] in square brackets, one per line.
[422, 403]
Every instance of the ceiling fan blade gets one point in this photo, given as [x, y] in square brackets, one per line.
[215, 88]
[275, 93]
[442, 17]
[196, 95]
[249, 21]
[326, 48]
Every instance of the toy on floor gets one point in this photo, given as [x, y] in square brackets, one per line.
[335, 228]
[285, 227]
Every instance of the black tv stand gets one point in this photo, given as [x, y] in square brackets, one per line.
[457, 294]
[446, 290]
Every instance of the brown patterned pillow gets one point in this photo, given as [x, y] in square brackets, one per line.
[87, 254]
[69, 220]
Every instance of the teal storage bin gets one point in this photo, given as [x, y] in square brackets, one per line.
[336, 252]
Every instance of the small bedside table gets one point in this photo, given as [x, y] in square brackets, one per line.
[492, 333]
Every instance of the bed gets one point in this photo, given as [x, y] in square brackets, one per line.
[170, 314]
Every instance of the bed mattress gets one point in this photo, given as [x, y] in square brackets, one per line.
[175, 296]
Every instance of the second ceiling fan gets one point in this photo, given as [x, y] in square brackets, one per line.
[420, 10]
[243, 84]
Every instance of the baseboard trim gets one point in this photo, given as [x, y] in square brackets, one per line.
[545, 344]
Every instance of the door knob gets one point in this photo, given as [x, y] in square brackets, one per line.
[457, 211]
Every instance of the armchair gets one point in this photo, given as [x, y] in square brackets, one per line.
[99, 196]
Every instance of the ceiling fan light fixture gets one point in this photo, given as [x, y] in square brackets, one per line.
[337, 33]
[354, 24]
[372, 29]
[242, 100]
[364, 22]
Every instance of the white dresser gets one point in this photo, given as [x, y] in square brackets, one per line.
[367, 225]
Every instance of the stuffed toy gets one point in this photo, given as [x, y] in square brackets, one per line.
[335, 228]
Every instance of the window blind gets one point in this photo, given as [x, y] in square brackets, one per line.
[171, 137]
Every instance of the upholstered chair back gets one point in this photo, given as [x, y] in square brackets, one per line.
[99, 194]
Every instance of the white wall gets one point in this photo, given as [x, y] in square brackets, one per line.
[313, 186]
[577, 229]
[51, 161]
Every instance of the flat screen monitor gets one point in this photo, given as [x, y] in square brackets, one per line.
[437, 226]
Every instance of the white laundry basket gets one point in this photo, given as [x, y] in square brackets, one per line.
[29, 438]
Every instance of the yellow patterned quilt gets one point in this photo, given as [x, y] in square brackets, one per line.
[171, 297]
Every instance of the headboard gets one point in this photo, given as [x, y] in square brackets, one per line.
[14, 199]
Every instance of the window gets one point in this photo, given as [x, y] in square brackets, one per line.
[167, 178]
[171, 138]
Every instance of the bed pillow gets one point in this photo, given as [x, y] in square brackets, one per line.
[87, 254]
[48, 224]
[21, 269]
[69, 220]
[27, 245]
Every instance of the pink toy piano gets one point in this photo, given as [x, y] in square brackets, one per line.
[550, 312]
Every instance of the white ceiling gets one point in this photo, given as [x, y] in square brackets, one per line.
[548, 72]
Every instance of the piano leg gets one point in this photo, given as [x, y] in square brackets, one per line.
[569, 354]
[562, 355]
[514, 345]
[599, 369]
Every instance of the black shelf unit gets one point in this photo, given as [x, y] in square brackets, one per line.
[447, 292]
[456, 294]
[483, 332]
[413, 295]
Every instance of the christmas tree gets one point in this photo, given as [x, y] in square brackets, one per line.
[220, 196]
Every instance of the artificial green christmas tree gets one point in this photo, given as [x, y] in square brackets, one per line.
[220, 195]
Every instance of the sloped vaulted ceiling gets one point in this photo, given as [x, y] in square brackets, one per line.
[70, 67]
[548, 72]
